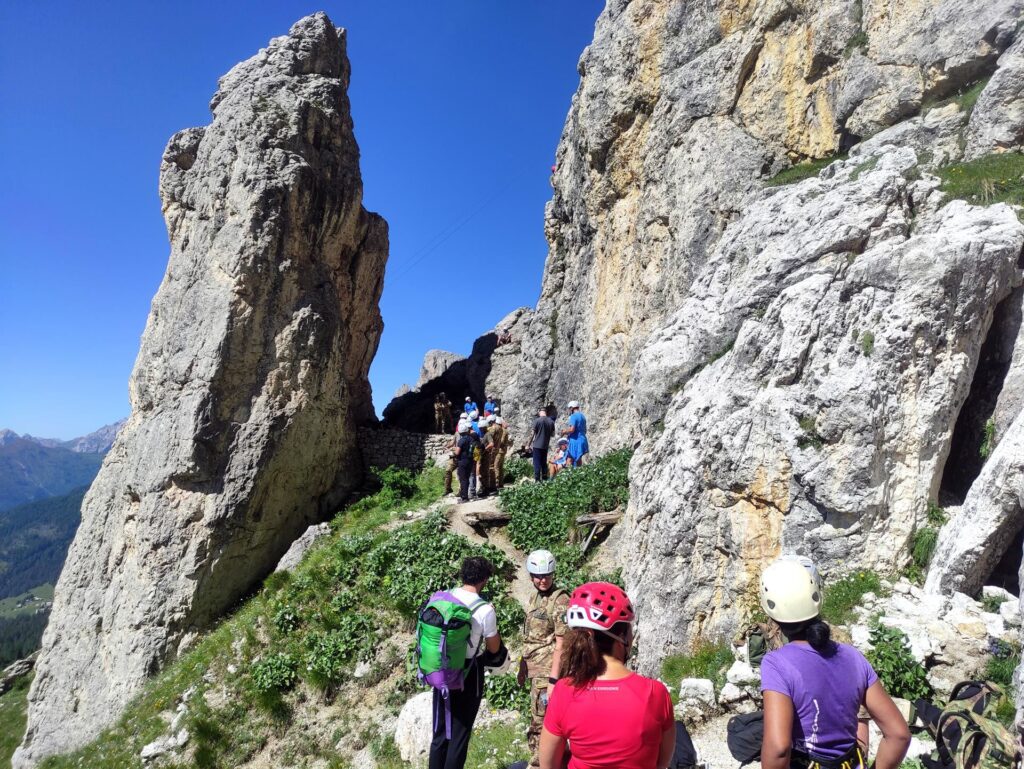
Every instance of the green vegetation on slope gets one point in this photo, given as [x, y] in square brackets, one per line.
[352, 599]
[20, 636]
[34, 541]
[801, 171]
[996, 178]
[13, 705]
[708, 660]
[844, 595]
[544, 514]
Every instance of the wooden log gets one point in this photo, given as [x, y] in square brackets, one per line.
[486, 517]
[604, 519]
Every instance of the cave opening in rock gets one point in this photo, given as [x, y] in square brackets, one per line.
[1006, 573]
[972, 435]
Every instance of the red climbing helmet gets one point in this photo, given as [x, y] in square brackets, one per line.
[599, 606]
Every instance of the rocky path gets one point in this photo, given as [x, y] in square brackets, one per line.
[521, 589]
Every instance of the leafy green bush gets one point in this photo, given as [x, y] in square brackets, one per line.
[543, 514]
[516, 469]
[505, 693]
[842, 596]
[285, 620]
[275, 673]
[329, 654]
[709, 659]
[900, 673]
[373, 511]
[397, 482]
[936, 515]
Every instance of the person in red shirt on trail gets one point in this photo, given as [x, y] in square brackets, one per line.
[613, 718]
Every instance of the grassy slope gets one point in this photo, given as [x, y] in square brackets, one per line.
[12, 719]
[276, 679]
[9, 606]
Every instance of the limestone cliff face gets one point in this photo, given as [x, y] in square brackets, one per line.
[681, 109]
[801, 367]
[250, 381]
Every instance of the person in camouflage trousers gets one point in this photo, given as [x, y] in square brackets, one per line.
[501, 443]
[542, 642]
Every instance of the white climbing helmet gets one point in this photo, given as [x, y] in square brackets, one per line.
[540, 562]
[789, 593]
[463, 427]
[807, 563]
[474, 415]
[573, 405]
[499, 420]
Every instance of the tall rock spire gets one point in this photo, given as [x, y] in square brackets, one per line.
[250, 380]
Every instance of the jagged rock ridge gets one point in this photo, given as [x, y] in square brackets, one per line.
[249, 384]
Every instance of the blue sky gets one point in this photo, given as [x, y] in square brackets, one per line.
[458, 107]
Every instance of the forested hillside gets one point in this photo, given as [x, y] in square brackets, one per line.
[34, 539]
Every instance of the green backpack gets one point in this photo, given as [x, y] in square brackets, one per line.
[443, 628]
[967, 734]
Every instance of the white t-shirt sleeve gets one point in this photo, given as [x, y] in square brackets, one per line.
[488, 621]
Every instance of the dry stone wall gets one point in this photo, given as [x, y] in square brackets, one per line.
[384, 447]
[246, 394]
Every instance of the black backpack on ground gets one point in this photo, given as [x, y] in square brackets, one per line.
[685, 754]
[744, 735]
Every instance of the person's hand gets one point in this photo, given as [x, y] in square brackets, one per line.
[544, 699]
[523, 671]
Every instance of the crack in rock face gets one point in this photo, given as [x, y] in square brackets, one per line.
[247, 391]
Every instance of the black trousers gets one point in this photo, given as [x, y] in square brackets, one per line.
[464, 472]
[540, 464]
[451, 753]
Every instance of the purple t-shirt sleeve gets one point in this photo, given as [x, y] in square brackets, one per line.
[772, 678]
[870, 676]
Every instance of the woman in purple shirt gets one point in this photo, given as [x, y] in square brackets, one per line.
[813, 687]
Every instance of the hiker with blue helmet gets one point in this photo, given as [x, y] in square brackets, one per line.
[814, 687]
[455, 709]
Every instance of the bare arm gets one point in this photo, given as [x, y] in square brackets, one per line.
[668, 747]
[778, 731]
[551, 751]
[892, 724]
[556, 657]
[493, 643]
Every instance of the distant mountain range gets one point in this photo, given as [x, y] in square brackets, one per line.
[36, 468]
[98, 442]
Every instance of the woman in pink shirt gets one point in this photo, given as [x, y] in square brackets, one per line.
[612, 717]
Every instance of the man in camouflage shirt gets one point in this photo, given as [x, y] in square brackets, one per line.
[542, 641]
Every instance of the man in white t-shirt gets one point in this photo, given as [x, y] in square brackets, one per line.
[448, 753]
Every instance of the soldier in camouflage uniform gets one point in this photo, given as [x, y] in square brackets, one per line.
[501, 444]
[542, 641]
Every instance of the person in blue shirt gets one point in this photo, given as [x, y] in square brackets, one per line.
[470, 405]
[577, 435]
[474, 422]
[489, 406]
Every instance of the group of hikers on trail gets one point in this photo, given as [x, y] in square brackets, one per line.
[480, 445]
[590, 711]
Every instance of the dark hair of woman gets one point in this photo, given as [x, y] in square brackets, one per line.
[584, 650]
[815, 631]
